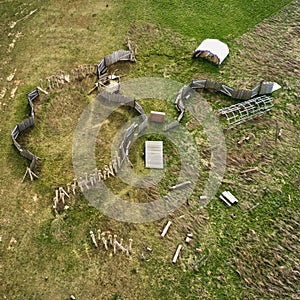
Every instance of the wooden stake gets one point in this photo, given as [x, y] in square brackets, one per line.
[104, 242]
[109, 237]
[42, 90]
[30, 173]
[93, 239]
[130, 245]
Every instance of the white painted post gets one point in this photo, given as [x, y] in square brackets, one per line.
[99, 175]
[104, 242]
[104, 174]
[130, 245]
[118, 160]
[80, 184]
[92, 180]
[74, 186]
[62, 197]
[115, 238]
[115, 246]
[68, 188]
[166, 229]
[56, 195]
[85, 182]
[93, 238]
[106, 169]
[62, 191]
[109, 237]
[176, 253]
[49, 83]
[111, 169]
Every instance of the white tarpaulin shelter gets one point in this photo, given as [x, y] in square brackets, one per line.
[213, 50]
[154, 154]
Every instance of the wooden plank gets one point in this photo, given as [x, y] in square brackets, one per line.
[154, 154]
[180, 185]
[223, 199]
[229, 197]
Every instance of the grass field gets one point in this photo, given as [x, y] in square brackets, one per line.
[245, 254]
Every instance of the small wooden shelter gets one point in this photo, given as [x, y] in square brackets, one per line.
[157, 116]
[213, 50]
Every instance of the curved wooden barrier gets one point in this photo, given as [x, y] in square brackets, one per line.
[102, 73]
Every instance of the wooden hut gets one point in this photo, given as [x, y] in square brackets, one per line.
[213, 50]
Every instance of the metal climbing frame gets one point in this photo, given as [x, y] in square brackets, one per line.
[244, 111]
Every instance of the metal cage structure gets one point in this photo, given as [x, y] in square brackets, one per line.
[241, 112]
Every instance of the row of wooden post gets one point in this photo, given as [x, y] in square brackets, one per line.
[111, 241]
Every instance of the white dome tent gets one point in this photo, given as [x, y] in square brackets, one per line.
[213, 50]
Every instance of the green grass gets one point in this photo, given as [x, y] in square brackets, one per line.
[201, 19]
[241, 260]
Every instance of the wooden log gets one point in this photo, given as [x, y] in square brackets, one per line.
[254, 206]
[177, 253]
[249, 171]
[180, 185]
[164, 232]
